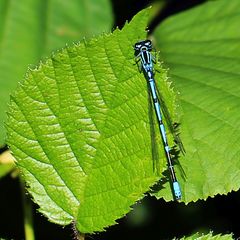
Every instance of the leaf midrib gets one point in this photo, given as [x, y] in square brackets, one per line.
[41, 145]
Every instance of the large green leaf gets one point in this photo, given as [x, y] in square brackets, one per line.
[79, 128]
[201, 47]
[30, 30]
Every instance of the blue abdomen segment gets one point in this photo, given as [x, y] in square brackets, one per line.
[177, 190]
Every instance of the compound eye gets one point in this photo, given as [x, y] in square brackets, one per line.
[137, 46]
[148, 43]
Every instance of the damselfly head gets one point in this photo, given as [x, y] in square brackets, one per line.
[143, 45]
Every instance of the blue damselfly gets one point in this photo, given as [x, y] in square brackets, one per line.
[143, 55]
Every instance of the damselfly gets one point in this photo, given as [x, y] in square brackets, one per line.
[143, 54]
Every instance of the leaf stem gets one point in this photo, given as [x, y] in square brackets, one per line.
[27, 212]
[81, 236]
[77, 235]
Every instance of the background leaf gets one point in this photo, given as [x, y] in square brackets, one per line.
[86, 149]
[33, 29]
[6, 163]
[201, 48]
[5, 169]
[209, 236]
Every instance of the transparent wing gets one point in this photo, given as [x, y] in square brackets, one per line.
[173, 127]
[152, 121]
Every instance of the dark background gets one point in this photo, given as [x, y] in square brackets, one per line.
[151, 218]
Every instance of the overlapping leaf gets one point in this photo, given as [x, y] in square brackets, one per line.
[201, 48]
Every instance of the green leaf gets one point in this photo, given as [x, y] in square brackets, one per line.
[209, 236]
[201, 48]
[79, 128]
[33, 29]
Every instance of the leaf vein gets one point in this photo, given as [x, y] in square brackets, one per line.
[207, 85]
[62, 132]
[204, 67]
[49, 195]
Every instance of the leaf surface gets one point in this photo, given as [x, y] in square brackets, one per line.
[79, 128]
[201, 48]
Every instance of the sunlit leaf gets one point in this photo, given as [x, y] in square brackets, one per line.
[79, 129]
